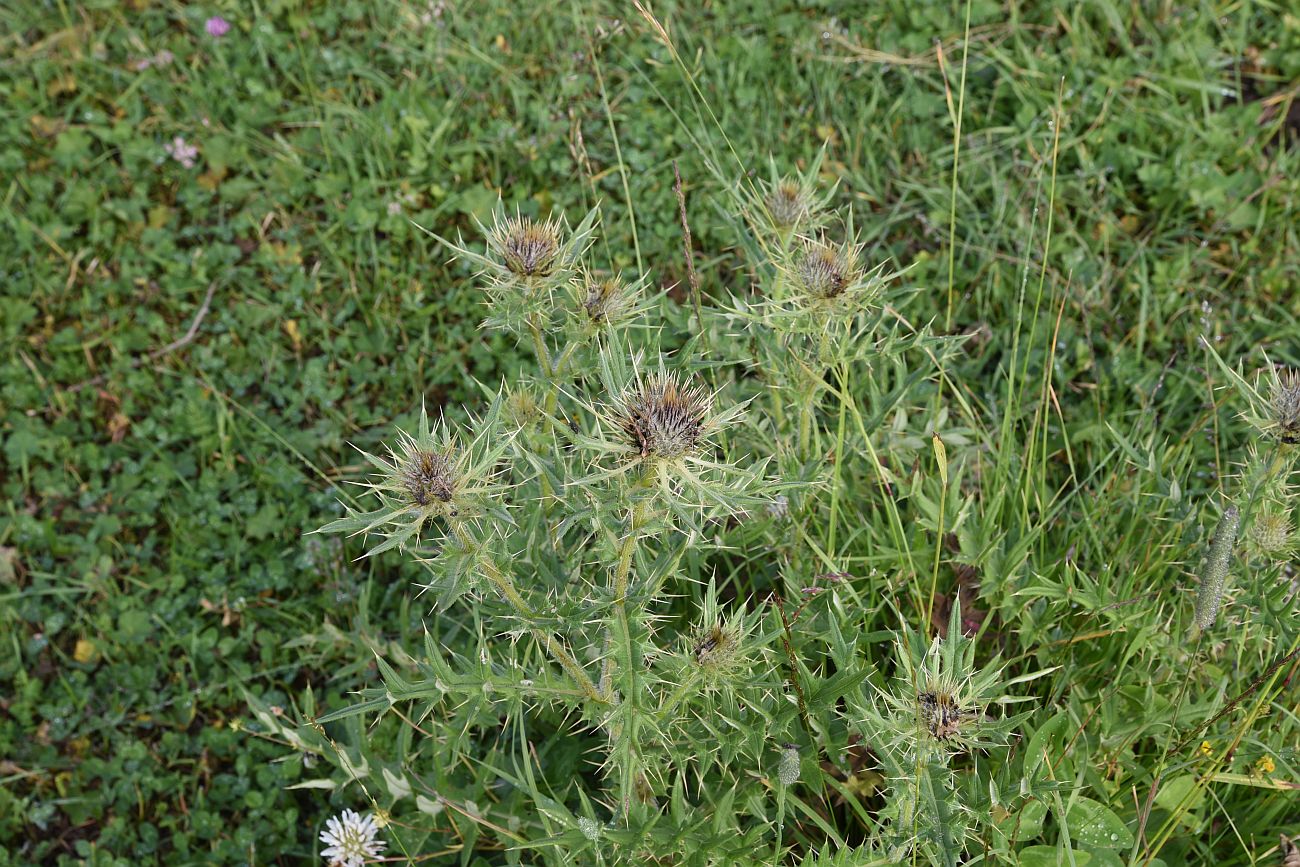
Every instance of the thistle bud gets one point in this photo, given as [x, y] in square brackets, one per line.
[1271, 534]
[1284, 405]
[823, 271]
[789, 203]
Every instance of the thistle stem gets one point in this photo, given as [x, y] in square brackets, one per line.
[539, 348]
[506, 587]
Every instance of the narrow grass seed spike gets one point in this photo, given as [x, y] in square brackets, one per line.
[788, 771]
[1215, 574]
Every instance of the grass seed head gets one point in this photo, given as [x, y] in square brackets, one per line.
[1214, 577]
[788, 771]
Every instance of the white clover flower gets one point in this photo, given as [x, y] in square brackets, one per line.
[350, 839]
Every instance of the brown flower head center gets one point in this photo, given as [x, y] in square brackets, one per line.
[429, 477]
[824, 271]
[942, 716]
[602, 298]
[714, 645]
[528, 248]
[662, 418]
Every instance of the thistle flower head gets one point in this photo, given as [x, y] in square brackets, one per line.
[526, 247]
[524, 262]
[717, 650]
[789, 203]
[939, 702]
[432, 476]
[605, 301]
[1272, 533]
[429, 476]
[350, 839]
[658, 431]
[1284, 406]
[825, 271]
[662, 417]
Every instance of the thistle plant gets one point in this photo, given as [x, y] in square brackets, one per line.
[585, 511]
[938, 707]
[1257, 521]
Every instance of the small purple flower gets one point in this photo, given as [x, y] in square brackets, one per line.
[217, 26]
[183, 153]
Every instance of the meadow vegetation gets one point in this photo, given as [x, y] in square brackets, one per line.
[705, 433]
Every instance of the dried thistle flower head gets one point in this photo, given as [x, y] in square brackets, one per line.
[789, 203]
[716, 648]
[526, 247]
[606, 301]
[824, 271]
[429, 476]
[1289, 851]
[525, 261]
[662, 417]
[1284, 404]
[943, 715]
[1272, 533]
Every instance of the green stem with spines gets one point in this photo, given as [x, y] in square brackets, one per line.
[623, 644]
[506, 587]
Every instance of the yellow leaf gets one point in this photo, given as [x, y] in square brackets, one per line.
[84, 651]
[158, 216]
[295, 336]
[212, 178]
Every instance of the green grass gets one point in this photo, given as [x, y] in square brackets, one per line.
[1127, 184]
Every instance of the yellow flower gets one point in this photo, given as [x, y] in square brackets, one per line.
[1207, 749]
[1265, 765]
